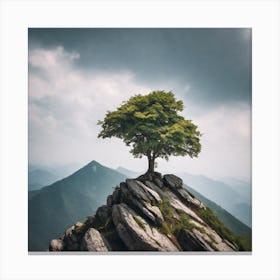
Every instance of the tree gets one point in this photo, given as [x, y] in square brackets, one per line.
[152, 126]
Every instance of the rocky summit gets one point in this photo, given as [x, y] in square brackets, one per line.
[150, 213]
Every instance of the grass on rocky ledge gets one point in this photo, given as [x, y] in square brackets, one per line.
[244, 244]
[139, 222]
[174, 220]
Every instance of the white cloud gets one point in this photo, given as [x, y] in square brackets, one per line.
[227, 140]
[65, 104]
[226, 144]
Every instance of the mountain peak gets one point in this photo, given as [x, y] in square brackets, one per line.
[93, 163]
[91, 168]
[148, 214]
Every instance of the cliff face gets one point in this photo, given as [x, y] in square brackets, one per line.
[146, 214]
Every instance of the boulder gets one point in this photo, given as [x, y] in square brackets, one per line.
[157, 217]
[216, 241]
[110, 200]
[69, 231]
[136, 233]
[173, 182]
[177, 204]
[103, 213]
[159, 183]
[141, 198]
[71, 245]
[156, 188]
[90, 221]
[231, 245]
[149, 177]
[188, 199]
[116, 196]
[189, 241]
[94, 241]
[71, 240]
[56, 245]
[142, 192]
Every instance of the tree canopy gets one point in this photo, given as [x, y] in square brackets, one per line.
[151, 125]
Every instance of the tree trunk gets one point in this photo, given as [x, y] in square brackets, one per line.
[151, 168]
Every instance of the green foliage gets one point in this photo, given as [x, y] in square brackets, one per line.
[139, 222]
[166, 209]
[152, 126]
[244, 244]
[225, 217]
[174, 221]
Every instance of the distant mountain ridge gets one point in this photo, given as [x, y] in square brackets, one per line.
[39, 178]
[40, 175]
[242, 186]
[128, 173]
[229, 220]
[232, 198]
[59, 205]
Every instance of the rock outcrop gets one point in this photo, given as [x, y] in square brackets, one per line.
[150, 213]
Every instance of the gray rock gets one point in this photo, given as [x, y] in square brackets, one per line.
[69, 234]
[78, 224]
[69, 231]
[148, 211]
[90, 220]
[189, 241]
[56, 245]
[188, 199]
[231, 245]
[103, 213]
[149, 177]
[172, 181]
[155, 211]
[116, 196]
[110, 200]
[179, 205]
[142, 192]
[71, 240]
[94, 241]
[156, 188]
[71, 245]
[136, 233]
[159, 183]
[140, 197]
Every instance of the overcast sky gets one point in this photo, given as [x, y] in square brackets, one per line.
[77, 75]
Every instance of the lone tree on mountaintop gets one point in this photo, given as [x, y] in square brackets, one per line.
[152, 126]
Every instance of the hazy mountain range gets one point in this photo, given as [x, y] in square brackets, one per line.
[228, 219]
[232, 194]
[40, 175]
[57, 206]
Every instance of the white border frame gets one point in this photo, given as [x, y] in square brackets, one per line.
[17, 16]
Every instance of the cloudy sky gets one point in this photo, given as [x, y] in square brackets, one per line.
[77, 75]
